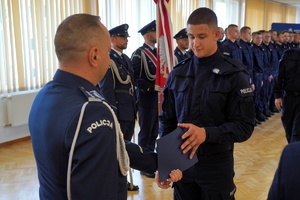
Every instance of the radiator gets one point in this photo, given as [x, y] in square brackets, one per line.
[16, 107]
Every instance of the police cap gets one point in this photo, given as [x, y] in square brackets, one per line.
[119, 31]
[181, 34]
[148, 28]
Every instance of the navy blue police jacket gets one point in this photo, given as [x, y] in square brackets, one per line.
[232, 50]
[213, 93]
[289, 72]
[118, 94]
[267, 49]
[274, 59]
[179, 55]
[286, 180]
[144, 77]
[247, 56]
[95, 171]
[279, 50]
[258, 59]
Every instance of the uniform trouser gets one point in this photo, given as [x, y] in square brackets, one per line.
[148, 121]
[211, 178]
[127, 127]
[264, 96]
[122, 187]
[271, 96]
[257, 105]
[291, 117]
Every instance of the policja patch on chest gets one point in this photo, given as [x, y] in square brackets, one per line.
[97, 124]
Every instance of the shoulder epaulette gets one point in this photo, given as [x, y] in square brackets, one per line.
[183, 61]
[230, 67]
[93, 93]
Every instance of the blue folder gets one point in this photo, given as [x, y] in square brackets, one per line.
[170, 155]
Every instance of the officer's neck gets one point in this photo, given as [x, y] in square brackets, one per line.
[151, 45]
[181, 49]
[245, 40]
[232, 40]
[118, 51]
[266, 43]
[211, 60]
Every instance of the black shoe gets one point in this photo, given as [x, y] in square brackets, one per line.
[148, 175]
[274, 110]
[134, 187]
[267, 114]
[257, 122]
[261, 118]
[270, 112]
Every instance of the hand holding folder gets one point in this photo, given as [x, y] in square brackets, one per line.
[170, 155]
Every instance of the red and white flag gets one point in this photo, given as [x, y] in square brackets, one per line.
[165, 53]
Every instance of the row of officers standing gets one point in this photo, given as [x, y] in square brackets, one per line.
[260, 52]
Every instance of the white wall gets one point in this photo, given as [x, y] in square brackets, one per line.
[10, 133]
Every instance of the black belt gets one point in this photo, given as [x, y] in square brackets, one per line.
[208, 149]
[126, 91]
[295, 94]
[258, 74]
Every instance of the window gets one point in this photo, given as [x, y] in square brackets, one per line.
[27, 29]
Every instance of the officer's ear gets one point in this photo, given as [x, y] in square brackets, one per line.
[217, 34]
[94, 56]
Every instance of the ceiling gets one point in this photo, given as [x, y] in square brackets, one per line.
[295, 3]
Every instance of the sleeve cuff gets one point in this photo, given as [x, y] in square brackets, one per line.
[212, 134]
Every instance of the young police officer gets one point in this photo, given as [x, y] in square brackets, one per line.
[76, 139]
[211, 98]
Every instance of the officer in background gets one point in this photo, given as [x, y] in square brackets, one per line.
[78, 146]
[231, 48]
[286, 39]
[287, 92]
[244, 43]
[279, 45]
[226, 37]
[258, 72]
[270, 68]
[117, 85]
[291, 40]
[210, 97]
[277, 49]
[221, 37]
[182, 45]
[143, 61]
[295, 42]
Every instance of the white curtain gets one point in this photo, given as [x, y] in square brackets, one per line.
[229, 12]
[27, 29]
[135, 13]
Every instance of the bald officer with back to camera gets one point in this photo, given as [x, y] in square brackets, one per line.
[78, 146]
[210, 97]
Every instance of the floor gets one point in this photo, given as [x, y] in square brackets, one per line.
[255, 163]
